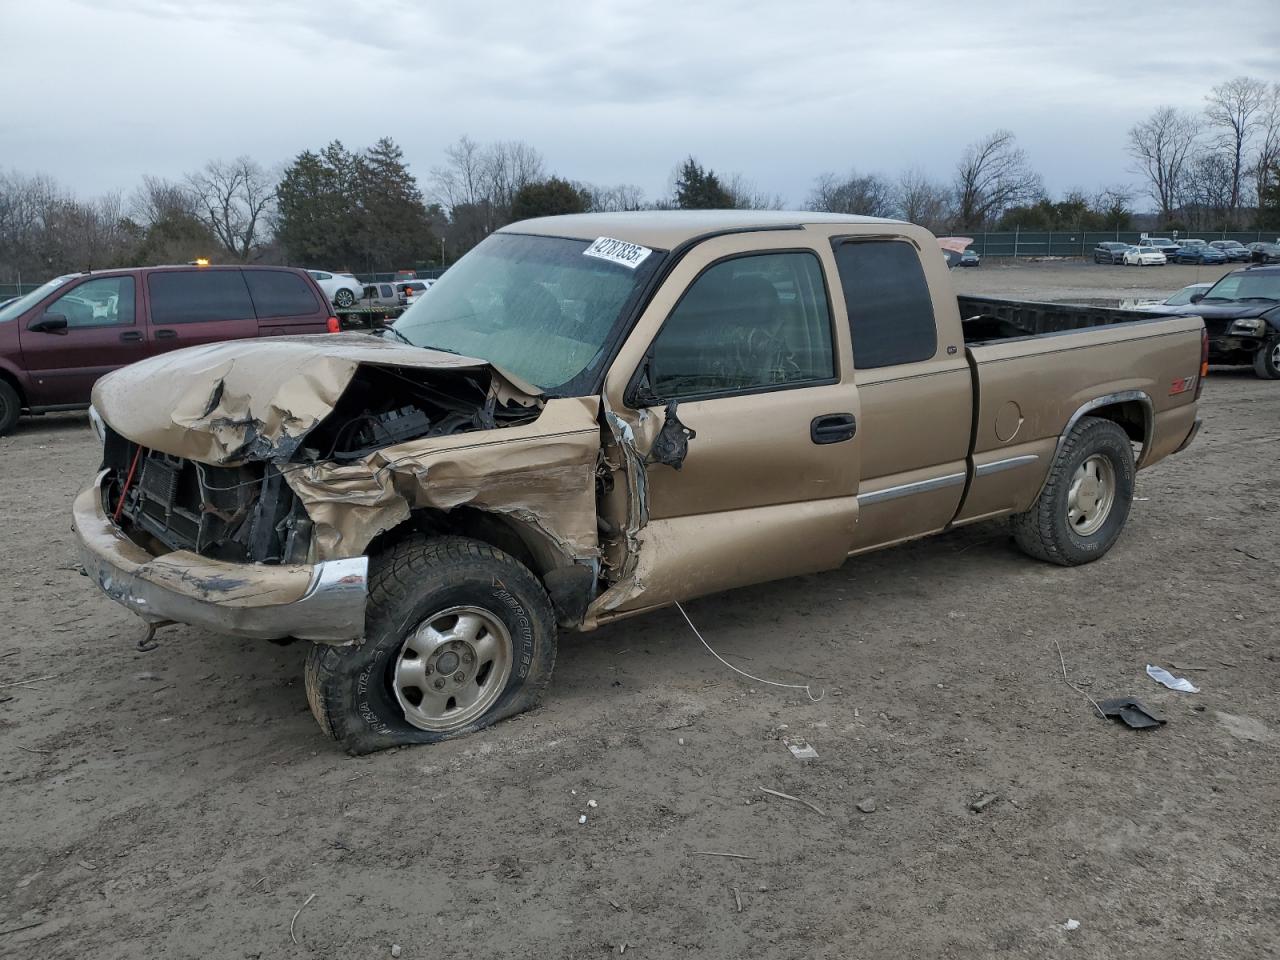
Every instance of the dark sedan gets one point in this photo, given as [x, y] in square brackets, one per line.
[1264, 252]
[1197, 251]
[1234, 250]
[970, 258]
[1109, 252]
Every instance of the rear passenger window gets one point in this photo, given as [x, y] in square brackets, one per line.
[887, 299]
[196, 296]
[280, 294]
[750, 323]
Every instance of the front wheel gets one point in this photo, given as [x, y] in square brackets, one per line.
[1085, 501]
[458, 636]
[1266, 362]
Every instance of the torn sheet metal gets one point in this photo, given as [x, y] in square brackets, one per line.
[227, 403]
[541, 473]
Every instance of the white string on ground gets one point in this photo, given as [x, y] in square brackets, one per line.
[772, 683]
[1080, 690]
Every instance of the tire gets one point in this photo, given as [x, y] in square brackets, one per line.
[363, 695]
[1052, 529]
[10, 407]
[1266, 362]
[344, 298]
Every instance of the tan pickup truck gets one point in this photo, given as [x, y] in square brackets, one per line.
[590, 417]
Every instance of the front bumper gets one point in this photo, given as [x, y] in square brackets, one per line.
[324, 602]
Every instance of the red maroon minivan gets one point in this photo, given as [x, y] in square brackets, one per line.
[57, 340]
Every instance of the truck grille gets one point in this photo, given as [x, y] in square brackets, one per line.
[244, 513]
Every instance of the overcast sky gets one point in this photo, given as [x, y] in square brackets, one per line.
[99, 93]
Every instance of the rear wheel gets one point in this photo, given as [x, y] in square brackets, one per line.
[344, 298]
[10, 407]
[1085, 501]
[1266, 362]
[458, 636]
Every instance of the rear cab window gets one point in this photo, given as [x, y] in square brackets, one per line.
[280, 293]
[888, 301]
[198, 296]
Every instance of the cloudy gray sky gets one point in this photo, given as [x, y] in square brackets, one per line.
[102, 92]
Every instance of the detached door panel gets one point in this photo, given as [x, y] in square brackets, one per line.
[188, 307]
[102, 333]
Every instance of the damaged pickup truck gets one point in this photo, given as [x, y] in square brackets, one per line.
[590, 417]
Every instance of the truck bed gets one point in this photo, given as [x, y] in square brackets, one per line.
[990, 320]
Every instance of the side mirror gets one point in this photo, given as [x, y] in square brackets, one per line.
[1197, 297]
[49, 323]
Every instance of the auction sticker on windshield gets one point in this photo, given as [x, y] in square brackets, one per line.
[630, 255]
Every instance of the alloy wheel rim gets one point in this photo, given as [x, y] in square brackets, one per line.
[451, 668]
[1275, 354]
[1091, 495]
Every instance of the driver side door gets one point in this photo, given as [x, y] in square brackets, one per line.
[743, 348]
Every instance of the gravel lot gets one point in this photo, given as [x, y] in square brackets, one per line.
[182, 803]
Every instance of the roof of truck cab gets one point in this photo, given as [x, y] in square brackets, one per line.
[667, 229]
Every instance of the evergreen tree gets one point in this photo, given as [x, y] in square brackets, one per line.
[699, 189]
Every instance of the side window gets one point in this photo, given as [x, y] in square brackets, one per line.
[197, 296]
[749, 323]
[102, 302]
[277, 293]
[887, 299]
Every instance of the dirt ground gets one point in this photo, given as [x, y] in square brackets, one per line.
[182, 803]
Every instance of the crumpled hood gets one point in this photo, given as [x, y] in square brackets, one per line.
[225, 403]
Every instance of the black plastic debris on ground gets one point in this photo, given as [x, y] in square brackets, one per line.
[1131, 712]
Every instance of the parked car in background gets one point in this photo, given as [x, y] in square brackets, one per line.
[403, 275]
[56, 341]
[1166, 246]
[1197, 251]
[970, 258]
[1143, 257]
[380, 296]
[1264, 252]
[1110, 251]
[342, 289]
[1183, 296]
[1242, 317]
[412, 291]
[1235, 251]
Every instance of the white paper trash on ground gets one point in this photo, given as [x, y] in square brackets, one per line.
[1161, 675]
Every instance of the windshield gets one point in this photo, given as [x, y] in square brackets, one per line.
[541, 308]
[26, 302]
[1184, 295]
[1246, 285]
[1159, 241]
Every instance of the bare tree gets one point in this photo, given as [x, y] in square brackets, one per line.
[993, 175]
[918, 199]
[1267, 155]
[1207, 191]
[510, 166]
[234, 200]
[868, 195]
[1232, 108]
[1161, 146]
[623, 196]
[747, 196]
[157, 200]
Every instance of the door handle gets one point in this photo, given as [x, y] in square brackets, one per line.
[131, 336]
[166, 334]
[833, 428]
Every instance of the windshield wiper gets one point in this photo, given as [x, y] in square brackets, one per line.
[398, 335]
[1222, 299]
[1268, 299]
